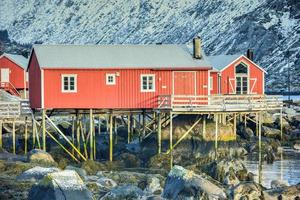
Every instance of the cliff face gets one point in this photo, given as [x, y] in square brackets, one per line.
[270, 27]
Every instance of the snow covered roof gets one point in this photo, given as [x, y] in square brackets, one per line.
[219, 62]
[117, 56]
[18, 59]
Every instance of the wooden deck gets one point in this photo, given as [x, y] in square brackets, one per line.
[220, 103]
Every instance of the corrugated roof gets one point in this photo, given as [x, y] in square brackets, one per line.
[219, 62]
[18, 59]
[117, 56]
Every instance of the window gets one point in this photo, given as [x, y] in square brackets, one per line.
[110, 79]
[148, 83]
[211, 83]
[69, 83]
[241, 69]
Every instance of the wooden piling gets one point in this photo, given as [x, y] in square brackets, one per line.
[26, 137]
[159, 132]
[216, 136]
[245, 120]
[91, 135]
[73, 133]
[44, 129]
[110, 137]
[99, 125]
[171, 140]
[33, 132]
[259, 147]
[234, 124]
[1, 125]
[128, 129]
[281, 125]
[78, 132]
[144, 124]
[204, 127]
[14, 136]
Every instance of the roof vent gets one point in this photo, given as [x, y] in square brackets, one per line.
[197, 48]
[250, 54]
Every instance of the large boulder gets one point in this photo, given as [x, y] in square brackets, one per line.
[185, 184]
[124, 192]
[37, 155]
[271, 132]
[278, 184]
[81, 172]
[247, 190]
[106, 183]
[65, 185]
[289, 111]
[297, 146]
[284, 193]
[36, 173]
[245, 133]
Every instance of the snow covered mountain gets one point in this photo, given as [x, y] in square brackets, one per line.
[270, 27]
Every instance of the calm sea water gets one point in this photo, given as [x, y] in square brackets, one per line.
[286, 169]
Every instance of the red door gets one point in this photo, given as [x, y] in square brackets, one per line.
[184, 83]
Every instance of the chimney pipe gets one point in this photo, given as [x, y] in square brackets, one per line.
[197, 48]
[250, 54]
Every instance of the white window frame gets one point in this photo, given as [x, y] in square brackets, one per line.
[148, 75]
[107, 79]
[75, 83]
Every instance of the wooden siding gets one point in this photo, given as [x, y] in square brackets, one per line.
[34, 83]
[92, 91]
[16, 73]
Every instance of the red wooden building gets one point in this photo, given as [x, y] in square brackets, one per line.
[113, 76]
[13, 76]
[236, 74]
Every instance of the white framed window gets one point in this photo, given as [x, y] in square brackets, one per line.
[148, 83]
[211, 83]
[69, 83]
[110, 79]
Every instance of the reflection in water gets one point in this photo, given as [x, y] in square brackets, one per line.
[286, 169]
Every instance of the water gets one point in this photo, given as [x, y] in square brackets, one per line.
[293, 97]
[286, 169]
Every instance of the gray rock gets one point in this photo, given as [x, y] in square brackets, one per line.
[81, 172]
[106, 183]
[185, 184]
[285, 193]
[270, 132]
[38, 155]
[278, 184]
[247, 190]
[124, 192]
[297, 146]
[36, 173]
[153, 186]
[65, 185]
[289, 111]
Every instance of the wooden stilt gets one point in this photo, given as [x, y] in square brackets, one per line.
[245, 120]
[144, 124]
[132, 127]
[128, 129]
[159, 132]
[216, 135]
[107, 123]
[82, 131]
[115, 129]
[204, 127]
[171, 140]
[33, 132]
[234, 124]
[78, 132]
[1, 125]
[259, 146]
[44, 129]
[73, 132]
[26, 137]
[110, 137]
[257, 123]
[14, 136]
[281, 125]
[99, 125]
[91, 135]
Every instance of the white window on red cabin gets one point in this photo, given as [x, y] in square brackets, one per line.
[110, 79]
[69, 83]
[148, 83]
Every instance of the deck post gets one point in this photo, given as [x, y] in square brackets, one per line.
[144, 124]
[1, 125]
[159, 132]
[128, 128]
[107, 123]
[78, 131]
[281, 125]
[204, 127]
[245, 120]
[171, 140]
[73, 133]
[257, 123]
[234, 124]
[259, 146]
[110, 137]
[132, 126]
[91, 135]
[115, 129]
[14, 136]
[216, 135]
[99, 125]
[26, 136]
[44, 129]
[33, 131]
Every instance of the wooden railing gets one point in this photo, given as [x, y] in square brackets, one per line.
[220, 102]
[8, 86]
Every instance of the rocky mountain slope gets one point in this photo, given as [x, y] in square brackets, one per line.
[270, 27]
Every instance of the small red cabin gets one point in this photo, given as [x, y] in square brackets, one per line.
[13, 76]
[236, 74]
[113, 76]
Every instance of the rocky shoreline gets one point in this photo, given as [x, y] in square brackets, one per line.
[138, 172]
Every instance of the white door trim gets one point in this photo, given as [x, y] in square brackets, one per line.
[5, 75]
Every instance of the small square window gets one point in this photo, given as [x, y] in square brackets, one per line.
[69, 83]
[110, 79]
[148, 83]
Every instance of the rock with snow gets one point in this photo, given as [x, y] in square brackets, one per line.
[278, 184]
[38, 155]
[153, 186]
[36, 173]
[65, 185]
[297, 146]
[185, 184]
[81, 172]
[124, 192]
[106, 183]
[247, 190]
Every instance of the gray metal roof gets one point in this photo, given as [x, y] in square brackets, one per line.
[117, 56]
[219, 62]
[18, 59]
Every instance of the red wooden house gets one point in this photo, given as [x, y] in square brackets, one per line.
[113, 76]
[13, 76]
[236, 74]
